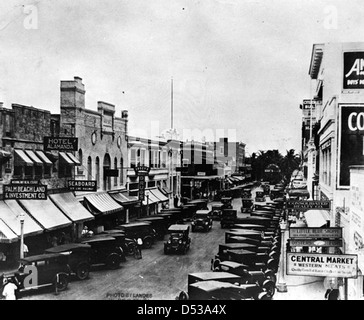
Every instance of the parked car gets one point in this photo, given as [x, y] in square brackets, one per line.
[200, 203]
[188, 210]
[246, 193]
[159, 224]
[105, 250]
[227, 202]
[202, 220]
[78, 258]
[216, 210]
[265, 281]
[220, 286]
[143, 230]
[179, 240]
[259, 195]
[52, 270]
[247, 205]
[228, 217]
[127, 244]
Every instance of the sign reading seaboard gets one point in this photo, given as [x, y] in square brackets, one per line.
[322, 265]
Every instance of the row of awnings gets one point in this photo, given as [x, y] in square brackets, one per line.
[38, 157]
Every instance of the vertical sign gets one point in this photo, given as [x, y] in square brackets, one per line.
[351, 133]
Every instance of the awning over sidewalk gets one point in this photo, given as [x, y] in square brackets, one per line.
[46, 214]
[10, 210]
[152, 198]
[43, 157]
[21, 158]
[316, 218]
[33, 157]
[159, 195]
[123, 198]
[101, 204]
[69, 205]
[6, 234]
[298, 193]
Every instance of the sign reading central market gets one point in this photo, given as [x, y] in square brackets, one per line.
[322, 265]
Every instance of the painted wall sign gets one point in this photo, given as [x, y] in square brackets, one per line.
[25, 192]
[60, 144]
[322, 265]
[315, 233]
[82, 185]
[351, 141]
[315, 243]
[353, 77]
[308, 204]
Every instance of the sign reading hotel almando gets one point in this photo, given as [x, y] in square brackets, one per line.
[82, 185]
[315, 233]
[322, 265]
[308, 205]
[60, 144]
[25, 192]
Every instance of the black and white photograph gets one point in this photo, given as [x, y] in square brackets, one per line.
[181, 151]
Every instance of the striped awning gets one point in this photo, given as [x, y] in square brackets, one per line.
[64, 157]
[152, 198]
[101, 203]
[46, 214]
[159, 194]
[21, 158]
[10, 211]
[123, 198]
[43, 157]
[73, 158]
[33, 157]
[69, 205]
[6, 234]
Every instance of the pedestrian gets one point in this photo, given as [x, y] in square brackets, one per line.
[139, 247]
[9, 290]
[332, 293]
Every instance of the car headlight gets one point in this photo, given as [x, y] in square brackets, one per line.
[193, 223]
[169, 242]
[206, 222]
[180, 242]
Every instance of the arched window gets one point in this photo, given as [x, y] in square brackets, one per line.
[80, 158]
[97, 164]
[89, 168]
[121, 171]
[106, 165]
[115, 168]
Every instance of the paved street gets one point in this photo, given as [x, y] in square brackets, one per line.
[156, 276]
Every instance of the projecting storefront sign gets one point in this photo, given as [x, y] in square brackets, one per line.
[353, 77]
[141, 170]
[82, 185]
[60, 144]
[308, 205]
[322, 265]
[315, 233]
[25, 192]
[351, 140]
[315, 243]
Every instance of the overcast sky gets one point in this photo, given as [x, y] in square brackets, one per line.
[239, 67]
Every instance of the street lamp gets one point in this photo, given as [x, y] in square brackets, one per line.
[281, 285]
[21, 218]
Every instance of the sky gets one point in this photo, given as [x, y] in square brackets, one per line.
[239, 67]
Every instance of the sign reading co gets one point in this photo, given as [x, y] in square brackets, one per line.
[60, 144]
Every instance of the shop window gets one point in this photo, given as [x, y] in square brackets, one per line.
[38, 170]
[65, 171]
[80, 158]
[28, 172]
[18, 172]
[47, 171]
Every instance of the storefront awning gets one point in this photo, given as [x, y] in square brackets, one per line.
[64, 157]
[101, 203]
[298, 193]
[69, 205]
[123, 198]
[159, 195]
[152, 198]
[10, 211]
[6, 234]
[33, 157]
[46, 214]
[316, 218]
[73, 158]
[43, 157]
[21, 158]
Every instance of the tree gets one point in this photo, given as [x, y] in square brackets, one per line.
[289, 163]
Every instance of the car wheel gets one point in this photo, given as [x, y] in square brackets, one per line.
[216, 265]
[130, 249]
[113, 261]
[263, 296]
[147, 243]
[62, 282]
[83, 270]
[166, 250]
[183, 296]
[269, 287]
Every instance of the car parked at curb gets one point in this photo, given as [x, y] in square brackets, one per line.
[178, 240]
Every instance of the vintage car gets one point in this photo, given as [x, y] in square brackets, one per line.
[142, 230]
[259, 195]
[264, 280]
[228, 217]
[246, 193]
[266, 188]
[78, 258]
[201, 220]
[51, 269]
[227, 202]
[105, 250]
[179, 240]
[189, 209]
[263, 220]
[247, 205]
[159, 224]
[253, 234]
[220, 286]
[216, 210]
[200, 203]
[126, 243]
[176, 215]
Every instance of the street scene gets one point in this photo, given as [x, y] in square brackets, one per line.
[181, 150]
